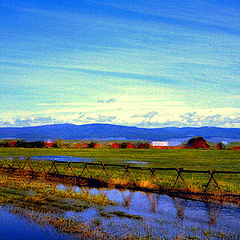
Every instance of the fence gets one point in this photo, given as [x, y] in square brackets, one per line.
[173, 180]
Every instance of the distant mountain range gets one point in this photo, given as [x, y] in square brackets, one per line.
[111, 132]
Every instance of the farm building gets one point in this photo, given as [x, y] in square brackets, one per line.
[84, 145]
[116, 145]
[220, 146]
[197, 142]
[12, 143]
[159, 144]
[143, 145]
[127, 145]
[48, 144]
[94, 145]
[236, 148]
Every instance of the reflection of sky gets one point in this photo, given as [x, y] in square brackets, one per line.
[179, 59]
[163, 220]
[62, 158]
[16, 227]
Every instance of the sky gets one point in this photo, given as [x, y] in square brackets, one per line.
[144, 63]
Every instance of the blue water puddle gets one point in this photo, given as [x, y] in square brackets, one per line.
[57, 158]
[161, 216]
[62, 158]
[15, 227]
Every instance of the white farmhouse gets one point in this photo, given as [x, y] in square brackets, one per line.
[159, 143]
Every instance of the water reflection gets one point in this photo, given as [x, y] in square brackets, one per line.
[162, 215]
[16, 227]
[62, 158]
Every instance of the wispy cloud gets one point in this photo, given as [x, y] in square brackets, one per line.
[110, 100]
[145, 63]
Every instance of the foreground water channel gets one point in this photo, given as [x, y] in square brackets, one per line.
[135, 213]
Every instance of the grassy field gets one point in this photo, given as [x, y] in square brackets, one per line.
[226, 160]
[185, 158]
[29, 195]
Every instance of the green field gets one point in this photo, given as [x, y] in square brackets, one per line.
[185, 158]
[219, 160]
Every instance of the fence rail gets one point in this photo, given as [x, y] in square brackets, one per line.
[205, 182]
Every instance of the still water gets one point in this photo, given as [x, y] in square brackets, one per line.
[162, 216]
[14, 227]
[62, 158]
[138, 214]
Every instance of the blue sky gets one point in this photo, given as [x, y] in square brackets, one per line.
[137, 63]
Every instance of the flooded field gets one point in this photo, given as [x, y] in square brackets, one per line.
[136, 215]
[161, 216]
[130, 215]
[13, 226]
[40, 209]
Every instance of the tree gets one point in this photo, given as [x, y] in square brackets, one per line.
[58, 143]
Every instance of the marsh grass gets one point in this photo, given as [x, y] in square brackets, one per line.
[36, 194]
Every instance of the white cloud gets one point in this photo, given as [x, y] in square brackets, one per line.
[182, 117]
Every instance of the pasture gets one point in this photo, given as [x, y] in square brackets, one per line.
[152, 175]
[177, 158]
[40, 199]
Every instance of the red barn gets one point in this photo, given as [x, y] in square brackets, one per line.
[143, 146]
[197, 142]
[84, 145]
[236, 148]
[127, 145]
[48, 144]
[116, 145]
[220, 146]
[12, 143]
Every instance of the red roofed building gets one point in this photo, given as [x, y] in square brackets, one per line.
[127, 145]
[12, 143]
[143, 146]
[197, 142]
[116, 145]
[236, 148]
[84, 145]
[48, 144]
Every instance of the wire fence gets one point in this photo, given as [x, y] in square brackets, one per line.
[203, 182]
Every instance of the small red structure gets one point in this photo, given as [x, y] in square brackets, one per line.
[130, 145]
[165, 147]
[220, 146]
[48, 144]
[143, 146]
[197, 142]
[236, 148]
[116, 145]
[84, 145]
[98, 145]
[94, 145]
[12, 143]
[127, 145]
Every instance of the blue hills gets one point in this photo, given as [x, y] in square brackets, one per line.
[109, 131]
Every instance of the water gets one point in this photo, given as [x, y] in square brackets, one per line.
[62, 158]
[15, 227]
[138, 213]
[161, 216]
[57, 158]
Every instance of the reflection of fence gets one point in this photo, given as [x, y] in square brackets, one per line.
[221, 183]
